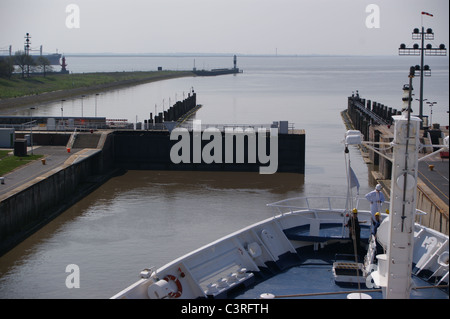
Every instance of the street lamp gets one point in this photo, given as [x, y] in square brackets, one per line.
[96, 95]
[425, 118]
[31, 129]
[421, 51]
[82, 99]
[62, 112]
[431, 113]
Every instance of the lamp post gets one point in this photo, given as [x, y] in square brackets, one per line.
[62, 113]
[96, 95]
[31, 129]
[421, 51]
[424, 120]
[431, 111]
[82, 105]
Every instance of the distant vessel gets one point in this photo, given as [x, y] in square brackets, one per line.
[213, 72]
[53, 58]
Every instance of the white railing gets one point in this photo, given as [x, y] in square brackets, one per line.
[189, 125]
[221, 127]
[329, 203]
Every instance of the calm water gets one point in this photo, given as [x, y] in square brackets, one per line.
[147, 218]
[270, 89]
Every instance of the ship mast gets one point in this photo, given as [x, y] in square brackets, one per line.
[403, 204]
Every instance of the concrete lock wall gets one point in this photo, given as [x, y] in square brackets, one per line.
[151, 150]
[41, 199]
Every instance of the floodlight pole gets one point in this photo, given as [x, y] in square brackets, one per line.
[421, 78]
[428, 50]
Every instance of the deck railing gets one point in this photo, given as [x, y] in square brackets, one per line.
[340, 204]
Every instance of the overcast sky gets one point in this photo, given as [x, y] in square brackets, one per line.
[220, 26]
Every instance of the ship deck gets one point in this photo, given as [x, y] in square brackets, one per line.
[313, 279]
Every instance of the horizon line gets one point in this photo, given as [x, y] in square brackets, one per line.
[200, 54]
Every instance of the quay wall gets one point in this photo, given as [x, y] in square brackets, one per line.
[41, 199]
[365, 113]
[150, 150]
[30, 206]
[437, 216]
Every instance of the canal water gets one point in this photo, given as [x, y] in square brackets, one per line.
[147, 218]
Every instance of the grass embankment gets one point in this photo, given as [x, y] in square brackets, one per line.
[18, 86]
[39, 89]
[10, 162]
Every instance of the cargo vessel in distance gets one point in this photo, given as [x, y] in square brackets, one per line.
[52, 58]
[213, 72]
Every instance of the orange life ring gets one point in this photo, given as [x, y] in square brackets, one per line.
[178, 283]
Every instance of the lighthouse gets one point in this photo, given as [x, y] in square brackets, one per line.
[63, 65]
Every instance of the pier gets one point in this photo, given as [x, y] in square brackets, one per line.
[365, 113]
[374, 121]
[174, 115]
[221, 71]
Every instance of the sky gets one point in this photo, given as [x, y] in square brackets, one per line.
[293, 27]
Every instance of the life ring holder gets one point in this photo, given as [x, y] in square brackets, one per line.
[179, 291]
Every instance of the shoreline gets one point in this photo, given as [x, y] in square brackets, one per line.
[48, 97]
